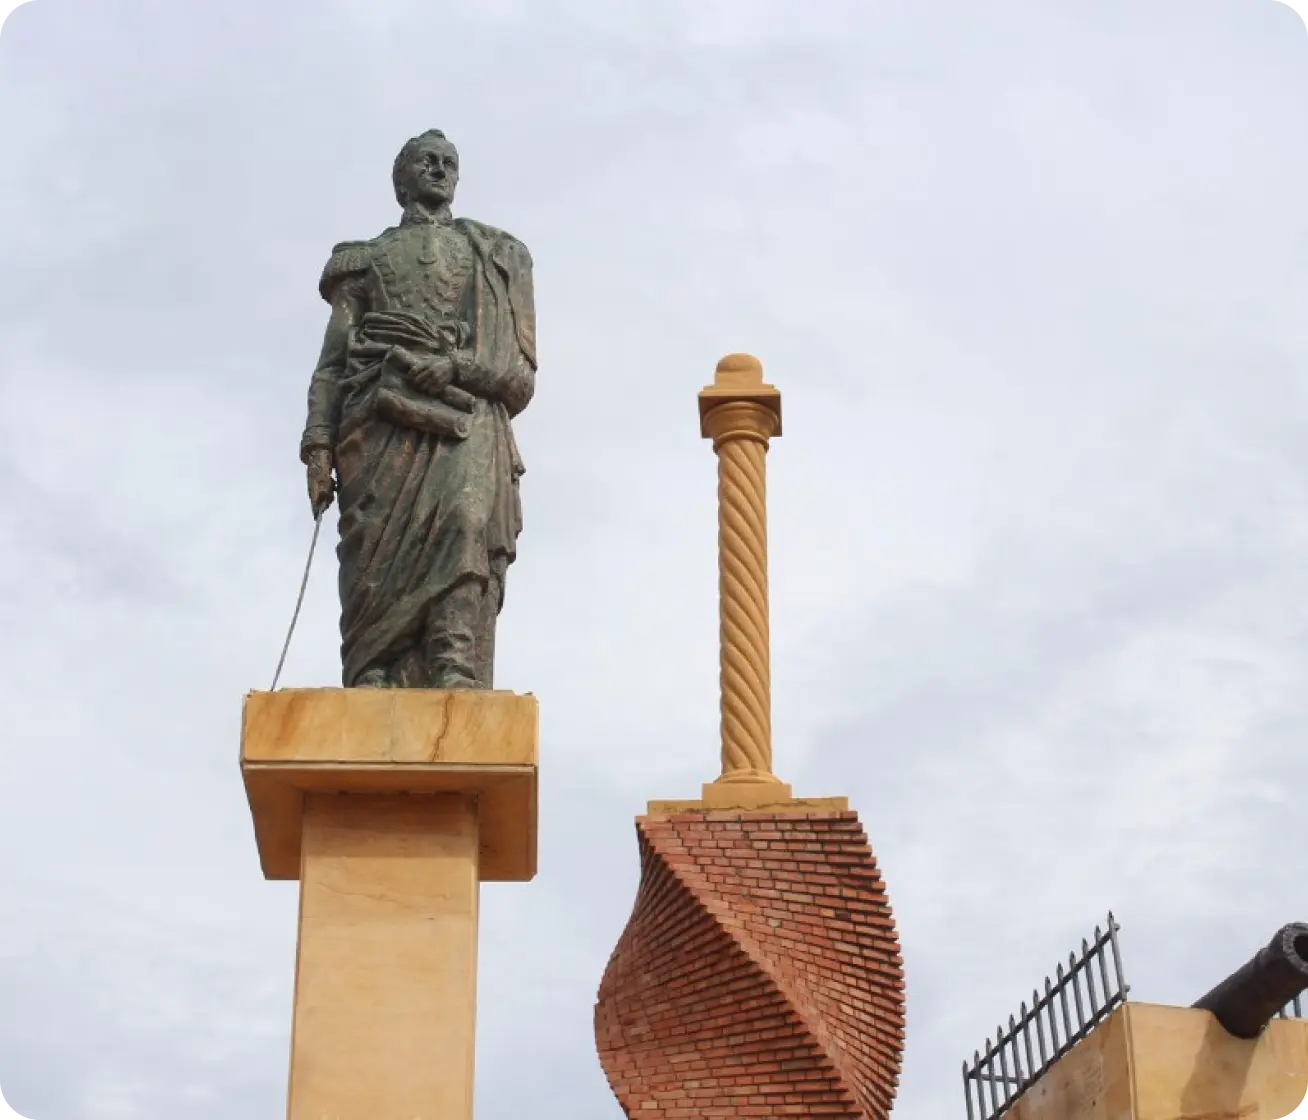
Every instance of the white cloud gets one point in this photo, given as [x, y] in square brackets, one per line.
[1030, 280]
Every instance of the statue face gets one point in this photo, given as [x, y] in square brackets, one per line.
[432, 172]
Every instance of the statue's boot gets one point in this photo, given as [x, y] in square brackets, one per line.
[452, 636]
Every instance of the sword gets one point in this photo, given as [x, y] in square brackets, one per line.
[299, 602]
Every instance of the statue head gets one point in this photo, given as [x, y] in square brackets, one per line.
[426, 171]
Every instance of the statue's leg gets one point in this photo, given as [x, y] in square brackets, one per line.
[491, 605]
[450, 645]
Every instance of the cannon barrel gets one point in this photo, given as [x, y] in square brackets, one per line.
[1247, 1000]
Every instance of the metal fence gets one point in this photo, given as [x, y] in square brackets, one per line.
[1074, 1002]
[1292, 1010]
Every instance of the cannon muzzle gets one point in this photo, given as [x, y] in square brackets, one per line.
[1247, 1000]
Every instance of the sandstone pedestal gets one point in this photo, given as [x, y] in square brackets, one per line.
[390, 806]
[1149, 1062]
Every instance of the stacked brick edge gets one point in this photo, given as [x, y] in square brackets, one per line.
[759, 974]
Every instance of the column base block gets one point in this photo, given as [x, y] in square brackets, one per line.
[765, 794]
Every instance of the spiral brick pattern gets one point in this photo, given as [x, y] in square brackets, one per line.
[759, 974]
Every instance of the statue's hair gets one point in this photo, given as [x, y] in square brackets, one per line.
[402, 160]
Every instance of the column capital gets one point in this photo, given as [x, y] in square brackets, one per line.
[738, 380]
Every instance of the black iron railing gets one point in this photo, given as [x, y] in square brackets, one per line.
[1074, 1002]
[1292, 1010]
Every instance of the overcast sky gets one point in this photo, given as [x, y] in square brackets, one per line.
[1030, 277]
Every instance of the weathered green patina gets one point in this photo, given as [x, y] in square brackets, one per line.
[429, 354]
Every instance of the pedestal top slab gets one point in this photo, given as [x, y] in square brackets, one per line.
[415, 741]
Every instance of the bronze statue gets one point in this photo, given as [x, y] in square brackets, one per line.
[429, 353]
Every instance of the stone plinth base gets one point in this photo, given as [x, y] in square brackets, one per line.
[749, 793]
[390, 806]
[759, 974]
[1148, 1062]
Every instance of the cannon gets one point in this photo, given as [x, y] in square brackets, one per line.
[1247, 1000]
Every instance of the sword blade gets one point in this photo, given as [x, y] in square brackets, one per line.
[299, 600]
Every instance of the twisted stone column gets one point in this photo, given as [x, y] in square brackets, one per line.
[759, 974]
[741, 414]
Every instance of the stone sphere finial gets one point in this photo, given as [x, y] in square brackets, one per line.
[738, 371]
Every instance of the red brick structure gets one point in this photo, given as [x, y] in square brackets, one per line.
[759, 974]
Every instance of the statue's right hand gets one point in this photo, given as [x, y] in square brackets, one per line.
[431, 375]
[321, 486]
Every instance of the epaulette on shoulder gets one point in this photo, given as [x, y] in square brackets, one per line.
[515, 246]
[348, 259]
[503, 239]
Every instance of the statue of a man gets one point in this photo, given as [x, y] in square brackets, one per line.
[430, 352]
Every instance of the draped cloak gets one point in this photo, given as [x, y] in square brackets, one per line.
[421, 512]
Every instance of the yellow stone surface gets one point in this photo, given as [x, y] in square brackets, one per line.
[1091, 1082]
[385, 985]
[739, 379]
[748, 797]
[333, 740]
[1150, 1062]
